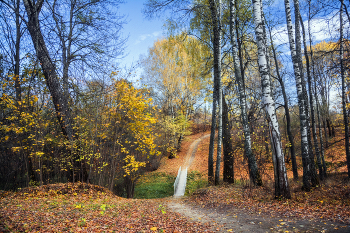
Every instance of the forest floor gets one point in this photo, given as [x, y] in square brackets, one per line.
[227, 208]
[243, 208]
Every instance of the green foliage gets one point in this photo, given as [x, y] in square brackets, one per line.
[158, 185]
[155, 185]
[195, 180]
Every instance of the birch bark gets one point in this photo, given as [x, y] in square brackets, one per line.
[253, 167]
[316, 95]
[313, 174]
[313, 121]
[282, 187]
[286, 109]
[301, 101]
[215, 8]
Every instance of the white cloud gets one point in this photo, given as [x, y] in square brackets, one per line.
[322, 29]
[147, 36]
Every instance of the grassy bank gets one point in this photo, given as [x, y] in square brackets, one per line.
[158, 185]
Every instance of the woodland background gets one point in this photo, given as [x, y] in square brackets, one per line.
[68, 113]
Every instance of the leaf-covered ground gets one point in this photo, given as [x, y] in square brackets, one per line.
[228, 208]
[329, 202]
[86, 208]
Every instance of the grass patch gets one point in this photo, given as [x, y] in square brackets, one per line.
[158, 185]
[195, 180]
[154, 185]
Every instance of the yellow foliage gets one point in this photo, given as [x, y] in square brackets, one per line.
[132, 166]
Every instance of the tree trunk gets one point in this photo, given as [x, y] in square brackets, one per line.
[17, 52]
[212, 139]
[325, 132]
[282, 187]
[286, 109]
[228, 175]
[253, 167]
[313, 121]
[345, 116]
[329, 127]
[313, 174]
[316, 99]
[48, 67]
[301, 102]
[129, 185]
[216, 20]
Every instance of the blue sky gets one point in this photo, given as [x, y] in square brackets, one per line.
[142, 32]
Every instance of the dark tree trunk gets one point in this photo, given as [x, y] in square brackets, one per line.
[345, 116]
[325, 133]
[129, 185]
[48, 67]
[329, 127]
[228, 175]
[215, 8]
[313, 121]
[212, 139]
[253, 167]
[17, 52]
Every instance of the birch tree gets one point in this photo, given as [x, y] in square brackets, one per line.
[215, 9]
[253, 167]
[313, 121]
[313, 174]
[286, 109]
[281, 179]
[315, 92]
[301, 102]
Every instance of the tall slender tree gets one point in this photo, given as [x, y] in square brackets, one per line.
[313, 121]
[228, 173]
[343, 89]
[253, 167]
[313, 174]
[215, 9]
[281, 179]
[315, 92]
[301, 101]
[48, 66]
[286, 109]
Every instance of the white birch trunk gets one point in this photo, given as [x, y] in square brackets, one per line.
[253, 167]
[269, 105]
[301, 101]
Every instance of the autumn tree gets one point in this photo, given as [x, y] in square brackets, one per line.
[175, 71]
[301, 102]
[253, 168]
[281, 179]
[343, 89]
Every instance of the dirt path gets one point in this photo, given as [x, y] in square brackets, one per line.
[192, 151]
[229, 219]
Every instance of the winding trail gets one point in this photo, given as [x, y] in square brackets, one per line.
[192, 151]
[232, 219]
[180, 183]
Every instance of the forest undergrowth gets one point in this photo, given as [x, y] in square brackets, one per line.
[85, 207]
